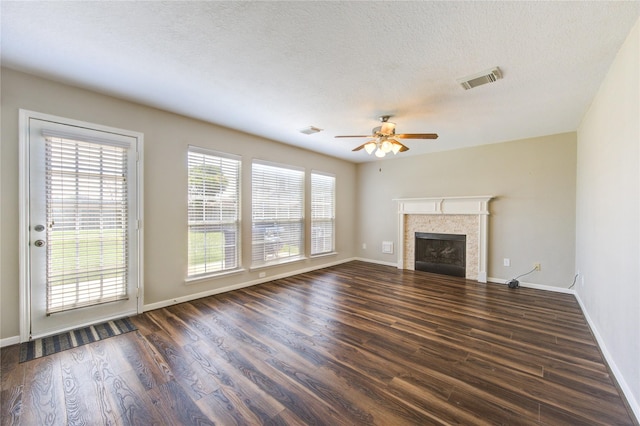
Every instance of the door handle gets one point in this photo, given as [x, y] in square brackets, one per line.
[39, 243]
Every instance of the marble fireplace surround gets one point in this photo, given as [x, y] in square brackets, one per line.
[446, 215]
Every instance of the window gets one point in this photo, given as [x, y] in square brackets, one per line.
[214, 212]
[277, 213]
[323, 193]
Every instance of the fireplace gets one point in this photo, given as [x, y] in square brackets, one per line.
[467, 216]
[441, 253]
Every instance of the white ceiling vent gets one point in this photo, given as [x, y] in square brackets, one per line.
[310, 130]
[484, 77]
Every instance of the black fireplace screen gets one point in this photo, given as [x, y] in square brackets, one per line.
[441, 253]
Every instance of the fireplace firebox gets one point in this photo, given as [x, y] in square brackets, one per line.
[441, 253]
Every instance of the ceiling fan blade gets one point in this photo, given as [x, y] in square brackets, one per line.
[354, 136]
[359, 147]
[417, 136]
[403, 148]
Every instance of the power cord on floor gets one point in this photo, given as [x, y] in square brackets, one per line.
[514, 283]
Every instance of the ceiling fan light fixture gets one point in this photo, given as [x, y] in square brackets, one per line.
[395, 148]
[370, 147]
[387, 128]
[385, 140]
[386, 146]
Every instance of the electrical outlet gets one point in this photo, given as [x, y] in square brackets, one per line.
[506, 261]
[536, 266]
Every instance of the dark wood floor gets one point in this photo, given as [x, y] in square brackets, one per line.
[353, 344]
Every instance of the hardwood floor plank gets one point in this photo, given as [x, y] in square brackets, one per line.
[576, 375]
[11, 386]
[133, 401]
[309, 410]
[176, 406]
[227, 409]
[249, 400]
[438, 344]
[579, 403]
[43, 399]
[11, 371]
[78, 404]
[180, 364]
[11, 405]
[353, 344]
[310, 372]
[322, 349]
[433, 408]
[544, 351]
[492, 412]
[148, 372]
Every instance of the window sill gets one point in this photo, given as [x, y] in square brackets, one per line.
[279, 263]
[330, 253]
[197, 279]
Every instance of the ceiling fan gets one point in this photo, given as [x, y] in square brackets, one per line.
[385, 139]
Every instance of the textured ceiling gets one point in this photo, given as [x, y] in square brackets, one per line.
[273, 68]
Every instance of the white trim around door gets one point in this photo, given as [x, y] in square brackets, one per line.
[63, 161]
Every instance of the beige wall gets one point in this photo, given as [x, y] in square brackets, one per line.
[532, 217]
[166, 137]
[608, 216]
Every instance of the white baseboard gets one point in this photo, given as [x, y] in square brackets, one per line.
[633, 403]
[8, 341]
[532, 285]
[190, 297]
[379, 262]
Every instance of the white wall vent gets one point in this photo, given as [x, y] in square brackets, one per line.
[484, 77]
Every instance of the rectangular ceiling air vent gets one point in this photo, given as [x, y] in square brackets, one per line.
[310, 130]
[484, 77]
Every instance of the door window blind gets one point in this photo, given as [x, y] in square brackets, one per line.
[87, 223]
[277, 213]
[323, 188]
[214, 212]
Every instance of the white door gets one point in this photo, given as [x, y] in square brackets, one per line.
[83, 220]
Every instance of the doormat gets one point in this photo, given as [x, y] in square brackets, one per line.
[72, 339]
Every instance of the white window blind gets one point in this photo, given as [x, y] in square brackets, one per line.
[277, 213]
[87, 223]
[323, 190]
[214, 212]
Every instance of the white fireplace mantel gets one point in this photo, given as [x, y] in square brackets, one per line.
[472, 205]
